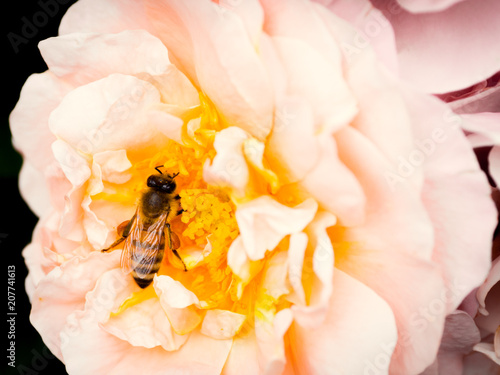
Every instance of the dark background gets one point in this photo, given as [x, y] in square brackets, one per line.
[17, 221]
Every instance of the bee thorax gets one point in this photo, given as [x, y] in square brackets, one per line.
[154, 203]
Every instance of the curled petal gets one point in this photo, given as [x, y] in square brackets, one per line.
[179, 304]
[272, 221]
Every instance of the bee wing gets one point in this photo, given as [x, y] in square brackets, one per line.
[152, 241]
[134, 234]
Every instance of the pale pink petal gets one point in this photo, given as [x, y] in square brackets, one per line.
[81, 58]
[372, 29]
[314, 79]
[457, 196]
[358, 336]
[146, 325]
[459, 336]
[270, 333]
[34, 189]
[104, 17]
[292, 148]
[271, 221]
[429, 55]
[251, 14]
[312, 60]
[494, 164]
[114, 105]
[180, 304]
[40, 95]
[420, 319]
[240, 263]
[488, 100]
[175, 88]
[270, 325]
[492, 279]
[77, 172]
[202, 37]
[229, 167]
[334, 185]
[63, 291]
[488, 324]
[114, 166]
[242, 359]
[296, 254]
[317, 273]
[221, 324]
[395, 215]
[165, 123]
[426, 6]
[111, 355]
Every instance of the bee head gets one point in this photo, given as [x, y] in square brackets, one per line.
[162, 182]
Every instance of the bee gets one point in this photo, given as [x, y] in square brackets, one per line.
[145, 233]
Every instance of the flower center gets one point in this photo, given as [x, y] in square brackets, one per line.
[207, 225]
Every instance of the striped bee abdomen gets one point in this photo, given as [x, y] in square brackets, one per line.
[145, 261]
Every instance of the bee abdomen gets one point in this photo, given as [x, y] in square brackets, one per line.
[142, 270]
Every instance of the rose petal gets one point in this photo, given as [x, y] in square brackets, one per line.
[81, 58]
[292, 148]
[201, 36]
[335, 346]
[334, 186]
[373, 30]
[272, 221]
[146, 325]
[317, 274]
[488, 350]
[229, 167]
[180, 304]
[388, 206]
[250, 13]
[104, 17]
[221, 324]
[34, 189]
[443, 65]
[40, 95]
[63, 291]
[111, 355]
[492, 279]
[116, 104]
[457, 196]
[420, 319]
[244, 350]
[425, 6]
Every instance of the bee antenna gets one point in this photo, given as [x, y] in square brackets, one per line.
[157, 168]
[175, 175]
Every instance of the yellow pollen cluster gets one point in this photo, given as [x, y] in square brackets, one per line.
[209, 216]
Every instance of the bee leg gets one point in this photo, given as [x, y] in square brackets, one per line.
[114, 244]
[123, 230]
[171, 235]
[180, 211]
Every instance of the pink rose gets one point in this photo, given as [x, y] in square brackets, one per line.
[334, 212]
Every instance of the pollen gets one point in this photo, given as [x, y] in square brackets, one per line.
[209, 216]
